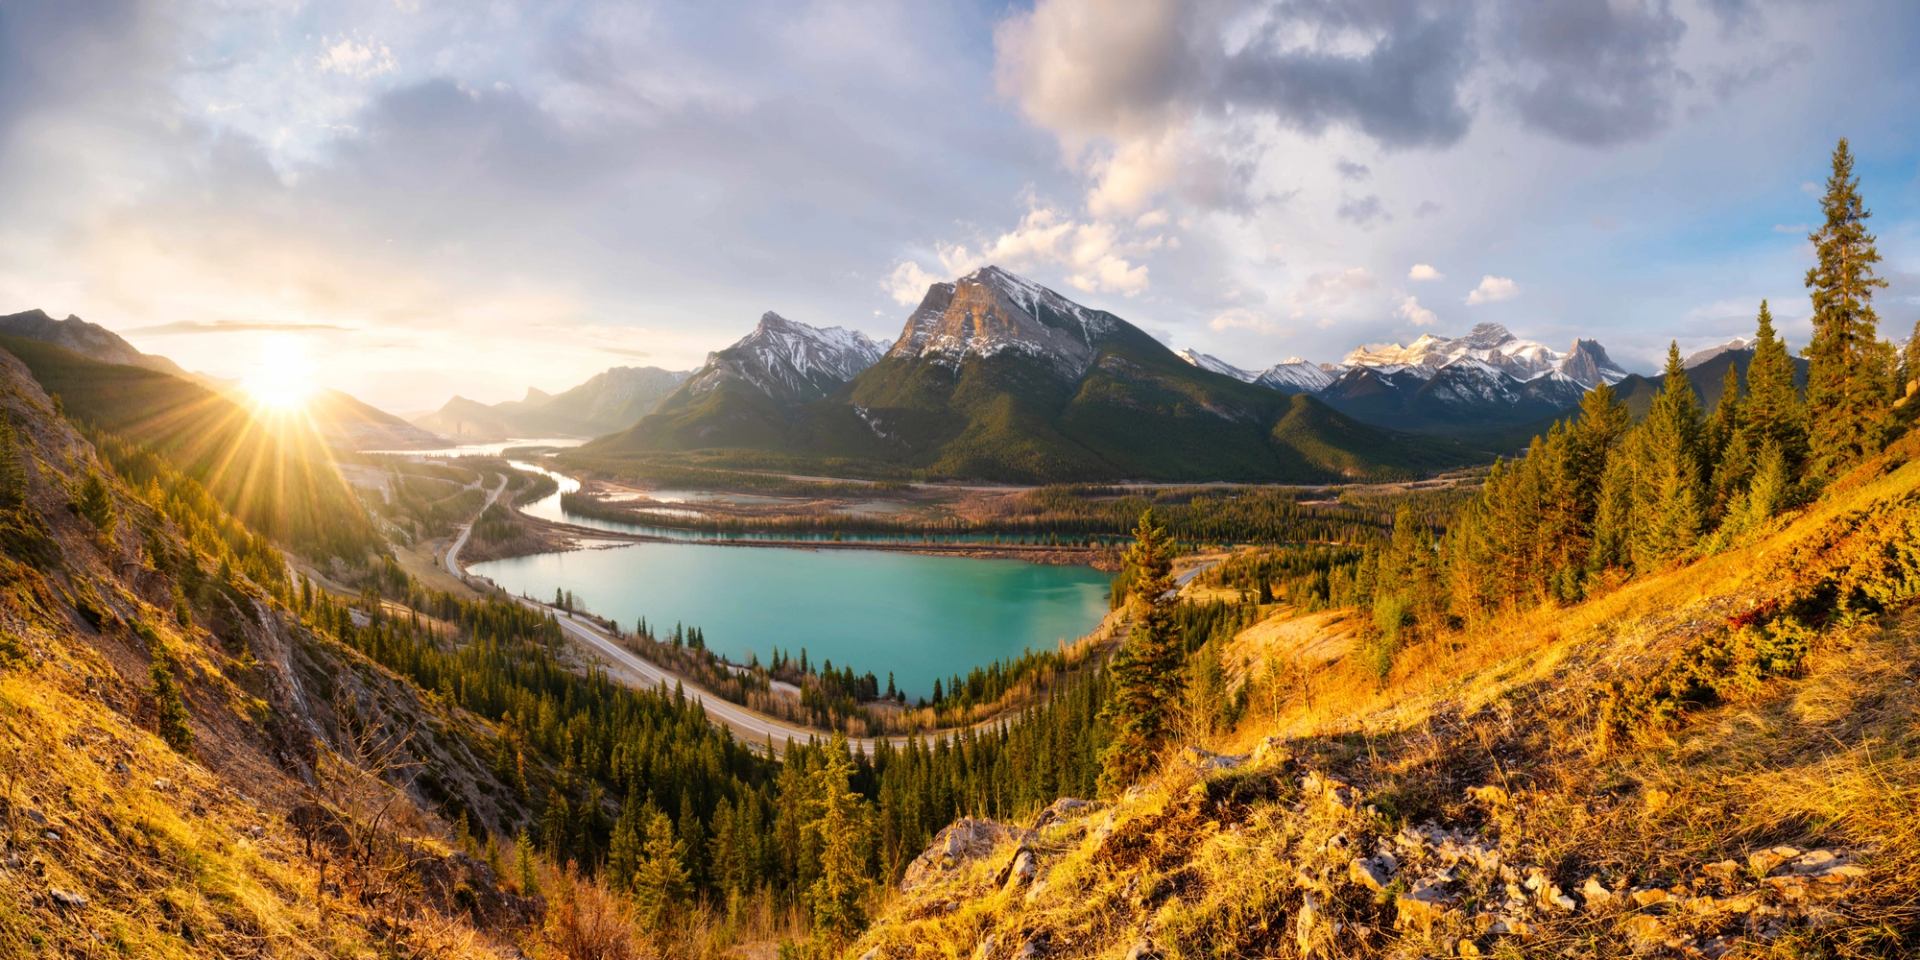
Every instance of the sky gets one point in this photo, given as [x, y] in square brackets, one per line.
[431, 198]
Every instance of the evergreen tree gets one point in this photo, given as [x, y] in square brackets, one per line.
[1730, 460]
[841, 888]
[660, 882]
[13, 475]
[95, 502]
[1772, 413]
[1669, 495]
[1847, 386]
[524, 866]
[623, 850]
[1146, 671]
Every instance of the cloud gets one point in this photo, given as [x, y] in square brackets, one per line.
[1591, 73]
[178, 327]
[1094, 256]
[1411, 311]
[1350, 170]
[1364, 211]
[357, 59]
[1493, 289]
[1424, 272]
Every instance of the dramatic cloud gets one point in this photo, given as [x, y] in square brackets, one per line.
[1592, 73]
[1493, 290]
[1424, 271]
[1363, 211]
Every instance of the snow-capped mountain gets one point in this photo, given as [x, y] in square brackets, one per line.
[990, 311]
[1490, 347]
[1207, 361]
[788, 360]
[1699, 357]
[1294, 375]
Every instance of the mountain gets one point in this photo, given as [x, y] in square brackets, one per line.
[343, 421]
[1483, 384]
[754, 393]
[1699, 357]
[1294, 375]
[1708, 376]
[609, 401]
[995, 377]
[279, 479]
[1207, 361]
[86, 339]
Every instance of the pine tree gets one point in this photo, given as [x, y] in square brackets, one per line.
[95, 502]
[623, 849]
[1669, 495]
[1729, 459]
[660, 882]
[524, 866]
[1146, 671]
[838, 894]
[13, 476]
[1847, 387]
[1772, 413]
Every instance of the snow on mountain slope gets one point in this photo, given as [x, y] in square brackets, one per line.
[1491, 349]
[788, 360]
[1699, 357]
[1294, 375]
[1207, 361]
[991, 311]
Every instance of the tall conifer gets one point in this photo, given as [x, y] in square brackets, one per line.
[1847, 383]
[1146, 672]
[1669, 495]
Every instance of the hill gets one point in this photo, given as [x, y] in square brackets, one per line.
[1717, 760]
[609, 401]
[277, 477]
[341, 420]
[996, 378]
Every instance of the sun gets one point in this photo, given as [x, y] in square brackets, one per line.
[280, 380]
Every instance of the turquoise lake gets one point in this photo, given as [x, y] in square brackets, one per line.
[921, 617]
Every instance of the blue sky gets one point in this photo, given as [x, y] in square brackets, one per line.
[438, 198]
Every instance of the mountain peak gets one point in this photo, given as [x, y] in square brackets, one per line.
[1699, 357]
[1486, 336]
[991, 311]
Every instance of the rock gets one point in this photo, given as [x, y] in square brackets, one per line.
[1272, 752]
[1062, 809]
[1033, 893]
[1510, 926]
[39, 819]
[1033, 949]
[984, 949]
[1420, 908]
[163, 785]
[1021, 870]
[1596, 894]
[1327, 790]
[1763, 862]
[966, 839]
[1143, 949]
[1206, 761]
[1304, 920]
[1723, 870]
[1816, 863]
[66, 900]
[873, 954]
[1373, 872]
[51, 836]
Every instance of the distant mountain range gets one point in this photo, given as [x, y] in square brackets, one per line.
[341, 420]
[610, 401]
[996, 377]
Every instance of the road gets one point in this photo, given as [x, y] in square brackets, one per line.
[452, 558]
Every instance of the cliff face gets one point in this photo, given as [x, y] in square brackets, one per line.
[188, 768]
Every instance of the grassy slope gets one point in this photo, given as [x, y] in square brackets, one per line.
[276, 478]
[162, 853]
[1251, 862]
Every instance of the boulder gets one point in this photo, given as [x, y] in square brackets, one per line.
[66, 900]
[1373, 872]
[1596, 894]
[1021, 870]
[1272, 752]
[1143, 949]
[1206, 761]
[1420, 908]
[964, 840]
[1764, 862]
